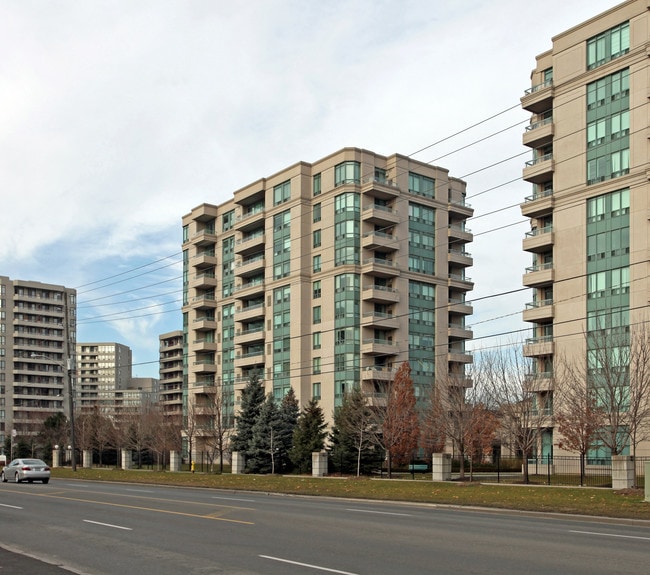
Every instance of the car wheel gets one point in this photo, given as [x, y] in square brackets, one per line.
[4, 477]
[45, 481]
[16, 478]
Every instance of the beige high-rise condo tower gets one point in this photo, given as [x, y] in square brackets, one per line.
[589, 211]
[328, 276]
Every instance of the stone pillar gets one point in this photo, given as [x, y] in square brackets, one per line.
[622, 472]
[441, 466]
[126, 459]
[87, 455]
[56, 458]
[319, 463]
[174, 461]
[238, 463]
[647, 481]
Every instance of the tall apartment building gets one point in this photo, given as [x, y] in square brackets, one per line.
[328, 276]
[171, 372]
[103, 368]
[37, 354]
[589, 204]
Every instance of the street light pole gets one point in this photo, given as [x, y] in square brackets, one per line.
[67, 370]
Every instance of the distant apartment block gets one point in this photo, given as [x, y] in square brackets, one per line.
[171, 373]
[37, 354]
[327, 276]
[103, 368]
[588, 208]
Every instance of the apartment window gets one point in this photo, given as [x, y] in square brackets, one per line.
[316, 365]
[316, 289]
[315, 392]
[316, 212]
[421, 185]
[317, 263]
[186, 233]
[317, 238]
[317, 185]
[315, 340]
[282, 193]
[228, 220]
[609, 45]
[347, 173]
[316, 314]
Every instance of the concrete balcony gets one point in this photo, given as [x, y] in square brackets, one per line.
[249, 289]
[251, 265]
[460, 282]
[539, 240]
[539, 204]
[204, 366]
[247, 313]
[539, 98]
[378, 373]
[204, 301]
[541, 310]
[379, 215]
[459, 356]
[455, 331]
[536, 382]
[204, 259]
[204, 323]
[250, 244]
[537, 346]
[205, 237]
[377, 188]
[248, 336]
[460, 258]
[539, 134]
[459, 234]
[249, 359]
[379, 320]
[460, 208]
[380, 294]
[380, 267]
[539, 275]
[461, 307]
[249, 220]
[379, 241]
[539, 170]
[204, 345]
[203, 280]
[374, 346]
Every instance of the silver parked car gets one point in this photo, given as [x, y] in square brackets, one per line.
[26, 470]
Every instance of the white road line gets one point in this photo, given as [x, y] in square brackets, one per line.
[379, 512]
[140, 490]
[611, 535]
[306, 565]
[10, 506]
[235, 499]
[107, 525]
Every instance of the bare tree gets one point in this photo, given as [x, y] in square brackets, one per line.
[517, 395]
[396, 426]
[218, 426]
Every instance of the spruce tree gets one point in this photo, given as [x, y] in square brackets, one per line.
[252, 398]
[263, 453]
[309, 436]
[288, 419]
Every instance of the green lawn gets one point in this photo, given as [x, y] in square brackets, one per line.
[585, 501]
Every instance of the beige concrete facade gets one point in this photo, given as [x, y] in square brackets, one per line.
[329, 275]
[589, 136]
[37, 354]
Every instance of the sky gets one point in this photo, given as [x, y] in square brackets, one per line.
[118, 117]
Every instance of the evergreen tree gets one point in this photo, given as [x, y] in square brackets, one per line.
[289, 412]
[252, 398]
[309, 436]
[264, 449]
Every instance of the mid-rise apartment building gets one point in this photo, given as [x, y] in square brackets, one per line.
[103, 369]
[37, 354]
[327, 276]
[171, 373]
[588, 210]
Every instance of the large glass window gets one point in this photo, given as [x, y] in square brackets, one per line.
[608, 45]
[421, 185]
[282, 193]
[347, 173]
[317, 185]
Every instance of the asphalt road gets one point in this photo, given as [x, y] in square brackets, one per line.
[106, 528]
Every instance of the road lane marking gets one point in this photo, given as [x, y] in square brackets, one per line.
[611, 535]
[235, 499]
[379, 512]
[307, 565]
[10, 506]
[140, 490]
[107, 525]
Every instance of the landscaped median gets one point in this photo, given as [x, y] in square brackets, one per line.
[585, 501]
